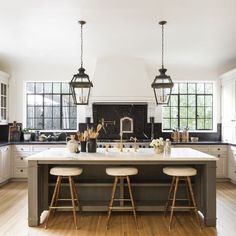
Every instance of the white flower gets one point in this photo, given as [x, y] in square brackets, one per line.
[157, 143]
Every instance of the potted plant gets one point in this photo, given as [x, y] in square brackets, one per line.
[27, 134]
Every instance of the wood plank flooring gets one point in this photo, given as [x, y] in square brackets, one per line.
[13, 218]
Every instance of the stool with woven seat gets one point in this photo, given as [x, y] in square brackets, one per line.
[69, 173]
[121, 173]
[178, 174]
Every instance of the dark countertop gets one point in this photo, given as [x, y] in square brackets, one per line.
[99, 141]
[32, 143]
[201, 143]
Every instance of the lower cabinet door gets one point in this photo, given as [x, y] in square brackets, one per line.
[221, 168]
[232, 173]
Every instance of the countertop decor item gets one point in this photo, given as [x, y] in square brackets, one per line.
[14, 132]
[80, 84]
[176, 135]
[72, 144]
[42, 137]
[26, 134]
[194, 139]
[162, 85]
[92, 145]
[158, 145]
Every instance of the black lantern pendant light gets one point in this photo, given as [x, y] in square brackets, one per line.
[80, 84]
[162, 85]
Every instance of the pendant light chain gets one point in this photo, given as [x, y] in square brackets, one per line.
[162, 44]
[81, 49]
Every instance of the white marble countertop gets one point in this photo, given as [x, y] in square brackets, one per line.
[113, 154]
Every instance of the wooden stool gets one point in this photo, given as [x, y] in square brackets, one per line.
[121, 173]
[181, 173]
[64, 172]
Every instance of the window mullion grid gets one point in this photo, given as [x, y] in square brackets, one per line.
[187, 105]
[196, 112]
[61, 114]
[204, 106]
[43, 107]
[178, 110]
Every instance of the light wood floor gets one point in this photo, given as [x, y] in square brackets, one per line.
[13, 218]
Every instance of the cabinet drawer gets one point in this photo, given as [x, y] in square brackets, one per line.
[40, 148]
[219, 155]
[232, 159]
[218, 149]
[232, 173]
[201, 148]
[20, 160]
[22, 148]
[20, 172]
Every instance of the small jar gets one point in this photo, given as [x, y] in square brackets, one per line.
[168, 146]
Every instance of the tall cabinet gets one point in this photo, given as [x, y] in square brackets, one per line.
[228, 106]
[3, 97]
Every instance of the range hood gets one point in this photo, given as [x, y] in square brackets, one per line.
[119, 79]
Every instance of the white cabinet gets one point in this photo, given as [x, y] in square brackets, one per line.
[19, 154]
[228, 106]
[3, 97]
[220, 151]
[5, 164]
[232, 163]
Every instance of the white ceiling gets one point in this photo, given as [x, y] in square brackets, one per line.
[199, 33]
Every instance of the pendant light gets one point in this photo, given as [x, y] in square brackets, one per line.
[162, 84]
[80, 84]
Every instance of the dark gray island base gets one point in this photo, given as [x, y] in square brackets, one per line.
[150, 187]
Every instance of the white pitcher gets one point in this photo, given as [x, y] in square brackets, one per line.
[72, 145]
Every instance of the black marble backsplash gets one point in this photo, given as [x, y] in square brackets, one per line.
[142, 128]
[111, 114]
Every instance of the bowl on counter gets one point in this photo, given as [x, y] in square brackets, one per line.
[194, 139]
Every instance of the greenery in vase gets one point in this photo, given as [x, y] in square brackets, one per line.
[26, 131]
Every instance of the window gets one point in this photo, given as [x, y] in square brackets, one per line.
[50, 106]
[191, 105]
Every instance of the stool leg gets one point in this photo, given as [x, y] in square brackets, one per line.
[75, 194]
[52, 201]
[188, 194]
[169, 195]
[111, 201]
[173, 201]
[193, 201]
[132, 201]
[57, 194]
[73, 200]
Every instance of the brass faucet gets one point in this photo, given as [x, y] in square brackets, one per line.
[121, 141]
[135, 143]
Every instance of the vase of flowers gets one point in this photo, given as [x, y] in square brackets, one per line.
[158, 145]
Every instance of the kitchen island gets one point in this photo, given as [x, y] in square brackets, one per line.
[150, 187]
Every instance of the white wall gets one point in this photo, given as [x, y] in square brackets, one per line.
[114, 79]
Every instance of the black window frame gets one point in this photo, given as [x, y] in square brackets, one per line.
[43, 106]
[197, 107]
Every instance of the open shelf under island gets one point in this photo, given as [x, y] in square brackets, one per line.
[150, 187]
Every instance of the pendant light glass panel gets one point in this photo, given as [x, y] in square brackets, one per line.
[162, 87]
